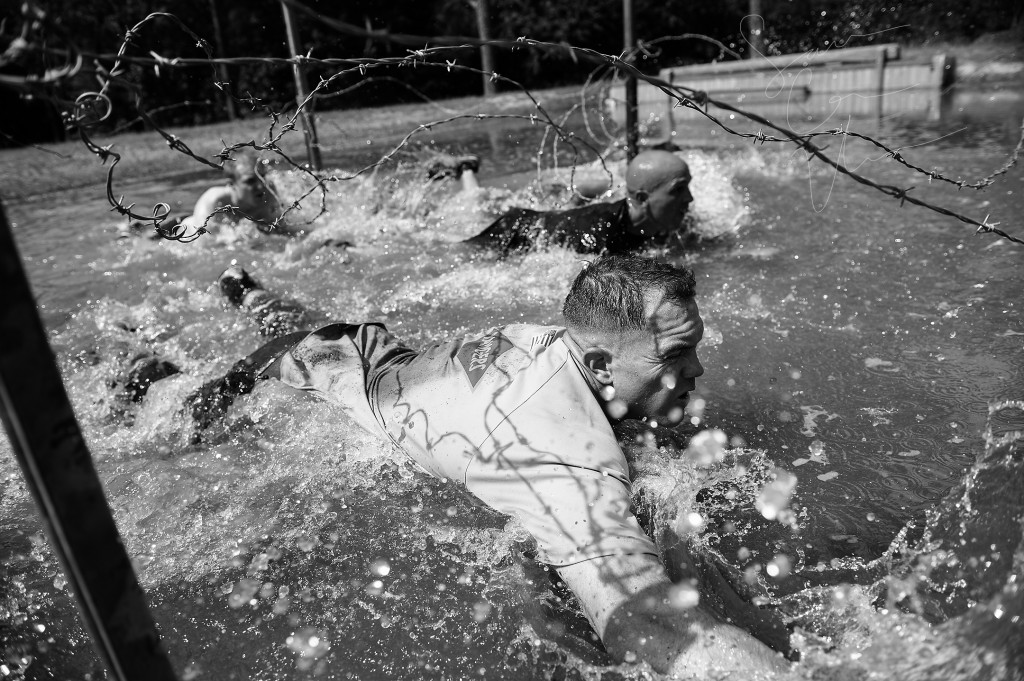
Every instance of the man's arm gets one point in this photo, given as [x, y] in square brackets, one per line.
[630, 604]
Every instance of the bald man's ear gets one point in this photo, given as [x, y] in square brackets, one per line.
[598, 362]
[640, 196]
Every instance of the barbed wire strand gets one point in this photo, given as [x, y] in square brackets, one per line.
[688, 97]
[614, 62]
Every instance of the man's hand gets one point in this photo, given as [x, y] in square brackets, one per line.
[629, 601]
[726, 593]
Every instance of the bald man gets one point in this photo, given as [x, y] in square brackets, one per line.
[657, 197]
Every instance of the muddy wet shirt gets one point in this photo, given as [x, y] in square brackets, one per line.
[597, 228]
[507, 412]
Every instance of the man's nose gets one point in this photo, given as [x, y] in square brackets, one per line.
[693, 368]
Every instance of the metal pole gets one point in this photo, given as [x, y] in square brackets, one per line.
[222, 69]
[483, 25]
[308, 126]
[58, 469]
[880, 62]
[627, 38]
[756, 27]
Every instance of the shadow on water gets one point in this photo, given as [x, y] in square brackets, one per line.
[850, 343]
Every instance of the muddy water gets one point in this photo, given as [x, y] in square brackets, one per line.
[851, 343]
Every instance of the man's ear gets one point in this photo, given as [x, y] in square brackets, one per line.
[640, 196]
[598, 361]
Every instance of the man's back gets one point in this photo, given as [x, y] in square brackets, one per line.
[509, 414]
[450, 401]
[597, 228]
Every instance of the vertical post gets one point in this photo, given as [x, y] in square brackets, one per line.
[880, 61]
[628, 46]
[670, 110]
[756, 27]
[308, 126]
[222, 69]
[58, 469]
[483, 26]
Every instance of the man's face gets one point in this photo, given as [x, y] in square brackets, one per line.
[251, 187]
[653, 371]
[667, 204]
[253, 197]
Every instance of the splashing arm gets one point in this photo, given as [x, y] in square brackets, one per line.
[639, 615]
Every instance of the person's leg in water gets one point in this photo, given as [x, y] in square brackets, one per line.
[285, 321]
[275, 316]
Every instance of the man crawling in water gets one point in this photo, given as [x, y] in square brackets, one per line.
[522, 416]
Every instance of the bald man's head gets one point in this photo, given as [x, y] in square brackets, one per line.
[653, 168]
[658, 184]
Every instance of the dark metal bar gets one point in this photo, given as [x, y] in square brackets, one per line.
[58, 469]
[222, 69]
[483, 27]
[632, 133]
[308, 125]
[755, 26]
[880, 63]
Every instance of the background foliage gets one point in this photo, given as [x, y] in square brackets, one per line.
[256, 28]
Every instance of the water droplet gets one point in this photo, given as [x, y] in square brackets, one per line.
[683, 596]
[617, 409]
[707, 447]
[780, 566]
[243, 592]
[481, 610]
[696, 407]
[380, 567]
[750, 574]
[309, 643]
[774, 497]
[688, 523]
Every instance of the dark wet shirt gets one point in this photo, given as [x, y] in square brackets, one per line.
[597, 228]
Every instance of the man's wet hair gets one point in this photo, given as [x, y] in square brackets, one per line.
[610, 294]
